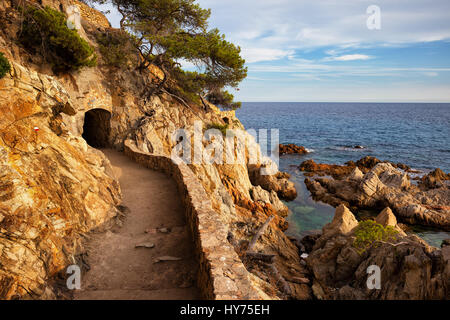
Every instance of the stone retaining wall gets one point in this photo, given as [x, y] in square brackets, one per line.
[221, 274]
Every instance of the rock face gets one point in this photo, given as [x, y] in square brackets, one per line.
[384, 186]
[333, 170]
[339, 171]
[435, 179]
[291, 149]
[54, 187]
[278, 182]
[410, 269]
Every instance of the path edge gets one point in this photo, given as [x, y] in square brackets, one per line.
[222, 275]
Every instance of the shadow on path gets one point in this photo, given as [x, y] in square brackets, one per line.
[118, 270]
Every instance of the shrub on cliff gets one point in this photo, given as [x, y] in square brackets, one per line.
[187, 84]
[114, 47]
[223, 99]
[45, 31]
[221, 127]
[168, 31]
[5, 67]
[370, 234]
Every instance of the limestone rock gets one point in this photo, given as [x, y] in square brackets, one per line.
[278, 182]
[386, 185]
[387, 218]
[343, 222]
[356, 175]
[435, 179]
[410, 269]
[291, 149]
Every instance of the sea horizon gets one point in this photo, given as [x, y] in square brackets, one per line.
[383, 102]
[332, 130]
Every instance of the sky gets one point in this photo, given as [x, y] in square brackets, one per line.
[324, 51]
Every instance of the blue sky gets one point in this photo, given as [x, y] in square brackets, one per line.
[322, 50]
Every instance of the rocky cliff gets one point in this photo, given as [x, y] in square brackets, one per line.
[55, 187]
[426, 203]
[408, 267]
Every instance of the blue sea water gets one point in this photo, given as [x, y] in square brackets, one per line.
[416, 134]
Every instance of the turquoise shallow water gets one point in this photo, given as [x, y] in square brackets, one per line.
[414, 134]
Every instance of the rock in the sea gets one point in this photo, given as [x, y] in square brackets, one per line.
[291, 149]
[363, 165]
[410, 269]
[435, 179]
[333, 170]
[384, 185]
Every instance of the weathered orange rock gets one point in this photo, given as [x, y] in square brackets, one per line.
[410, 269]
[434, 179]
[336, 171]
[291, 149]
[339, 171]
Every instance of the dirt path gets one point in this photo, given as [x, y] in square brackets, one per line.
[118, 270]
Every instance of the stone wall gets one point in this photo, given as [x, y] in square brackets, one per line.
[221, 274]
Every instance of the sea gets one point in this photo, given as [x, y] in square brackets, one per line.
[416, 134]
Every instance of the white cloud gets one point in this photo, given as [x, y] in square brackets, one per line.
[349, 57]
[252, 55]
[281, 25]
[300, 24]
[292, 31]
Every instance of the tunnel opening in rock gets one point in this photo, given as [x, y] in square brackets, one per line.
[97, 127]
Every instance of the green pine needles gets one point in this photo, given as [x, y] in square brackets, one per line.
[5, 67]
[370, 234]
[45, 31]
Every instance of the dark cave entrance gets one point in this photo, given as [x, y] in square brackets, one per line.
[97, 127]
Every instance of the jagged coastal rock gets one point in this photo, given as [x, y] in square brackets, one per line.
[410, 269]
[383, 185]
[55, 188]
[291, 149]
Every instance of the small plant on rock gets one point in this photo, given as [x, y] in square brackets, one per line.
[370, 234]
[114, 47]
[222, 127]
[5, 67]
